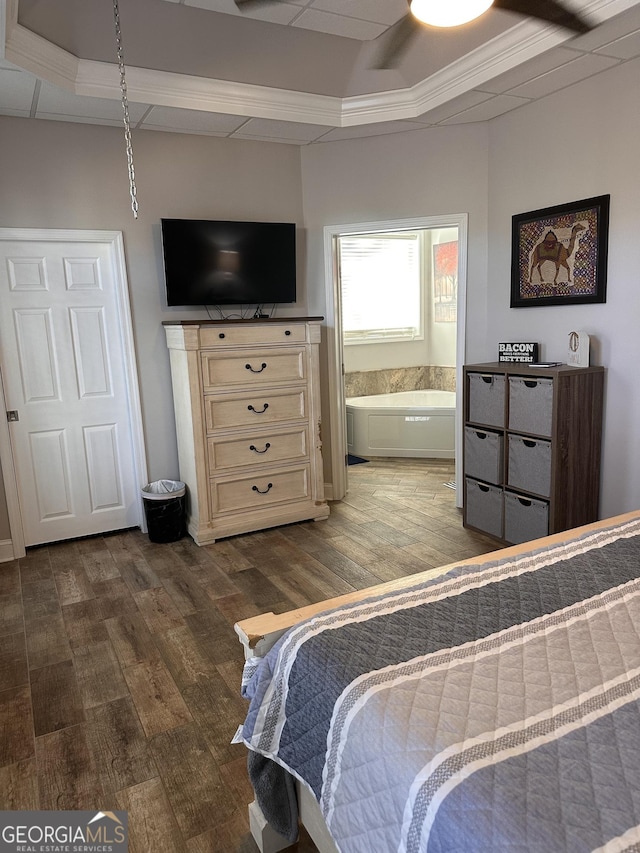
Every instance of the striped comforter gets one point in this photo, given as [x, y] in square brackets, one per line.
[493, 709]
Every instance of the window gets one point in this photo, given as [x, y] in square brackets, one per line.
[381, 283]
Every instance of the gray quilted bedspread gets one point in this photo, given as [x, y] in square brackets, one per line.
[491, 709]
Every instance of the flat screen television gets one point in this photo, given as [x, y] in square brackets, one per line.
[209, 262]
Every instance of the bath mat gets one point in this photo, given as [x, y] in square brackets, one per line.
[355, 460]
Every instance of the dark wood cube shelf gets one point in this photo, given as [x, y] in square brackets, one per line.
[531, 448]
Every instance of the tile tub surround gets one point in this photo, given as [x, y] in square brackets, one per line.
[366, 382]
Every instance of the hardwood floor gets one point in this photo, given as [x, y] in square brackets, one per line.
[120, 669]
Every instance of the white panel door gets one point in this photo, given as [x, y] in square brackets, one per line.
[64, 362]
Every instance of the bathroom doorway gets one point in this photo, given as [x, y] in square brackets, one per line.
[391, 333]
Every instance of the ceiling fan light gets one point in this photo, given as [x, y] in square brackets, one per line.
[448, 13]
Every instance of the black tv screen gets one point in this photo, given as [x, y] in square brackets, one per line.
[228, 263]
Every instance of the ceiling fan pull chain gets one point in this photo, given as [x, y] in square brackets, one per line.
[125, 109]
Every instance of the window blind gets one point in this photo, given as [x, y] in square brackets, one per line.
[381, 285]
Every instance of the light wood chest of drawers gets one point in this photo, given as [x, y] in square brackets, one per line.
[247, 407]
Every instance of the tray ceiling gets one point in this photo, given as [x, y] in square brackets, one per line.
[297, 72]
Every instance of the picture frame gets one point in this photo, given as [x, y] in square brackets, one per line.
[559, 254]
[445, 282]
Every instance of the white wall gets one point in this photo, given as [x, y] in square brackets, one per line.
[403, 175]
[573, 145]
[577, 144]
[398, 176]
[65, 175]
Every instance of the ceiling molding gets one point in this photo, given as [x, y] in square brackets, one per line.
[102, 80]
[524, 41]
[42, 58]
[164, 88]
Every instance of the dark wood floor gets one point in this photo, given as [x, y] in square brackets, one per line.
[120, 669]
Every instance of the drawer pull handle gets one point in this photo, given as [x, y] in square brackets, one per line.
[259, 370]
[258, 411]
[287, 333]
[255, 449]
[260, 491]
[221, 335]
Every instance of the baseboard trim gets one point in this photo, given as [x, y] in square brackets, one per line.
[6, 550]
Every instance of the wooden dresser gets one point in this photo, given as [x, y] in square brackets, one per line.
[247, 406]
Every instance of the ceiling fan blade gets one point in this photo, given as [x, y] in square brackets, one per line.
[248, 5]
[546, 10]
[395, 41]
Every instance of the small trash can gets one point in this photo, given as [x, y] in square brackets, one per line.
[164, 509]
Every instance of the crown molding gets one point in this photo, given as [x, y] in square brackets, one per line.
[33, 53]
[147, 86]
[522, 42]
[100, 79]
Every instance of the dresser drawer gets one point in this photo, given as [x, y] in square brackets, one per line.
[253, 491]
[253, 367]
[258, 448]
[250, 335]
[255, 409]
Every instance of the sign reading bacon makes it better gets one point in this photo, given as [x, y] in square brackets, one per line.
[525, 353]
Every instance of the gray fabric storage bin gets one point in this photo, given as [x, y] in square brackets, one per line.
[531, 404]
[486, 398]
[484, 507]
[524, 518]
[483, 454]
[529, 464]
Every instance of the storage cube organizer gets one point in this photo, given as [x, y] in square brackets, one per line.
[529, 464]
[484, 507]
[530, 404]
[535, 434]
[524, 518]
[486, 398]
[483, 454]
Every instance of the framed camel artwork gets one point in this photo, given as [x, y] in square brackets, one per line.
[559, 254]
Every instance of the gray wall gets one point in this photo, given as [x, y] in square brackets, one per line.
[562, 149]
[557, 150]
[402, 175]
[64, 175]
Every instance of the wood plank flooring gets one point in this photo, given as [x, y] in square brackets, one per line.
[120, 669]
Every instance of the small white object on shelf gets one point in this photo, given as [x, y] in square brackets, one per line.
[546, 364]
[578, 354]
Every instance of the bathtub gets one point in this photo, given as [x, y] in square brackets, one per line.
[407, 423]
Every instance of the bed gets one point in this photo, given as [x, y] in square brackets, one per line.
[492, 705]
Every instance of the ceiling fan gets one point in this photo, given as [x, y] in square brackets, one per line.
[448, 13]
